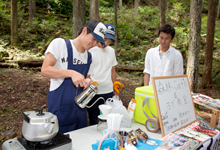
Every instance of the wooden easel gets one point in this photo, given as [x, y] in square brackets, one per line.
[215, 114]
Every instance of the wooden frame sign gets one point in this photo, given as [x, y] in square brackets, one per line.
[175, 106]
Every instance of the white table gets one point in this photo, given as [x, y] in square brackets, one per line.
[82, 139]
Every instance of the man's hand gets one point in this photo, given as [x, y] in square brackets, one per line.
[78, 79]
[88, 81]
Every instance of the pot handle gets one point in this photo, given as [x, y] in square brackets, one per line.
[49, 128]
[26, 118]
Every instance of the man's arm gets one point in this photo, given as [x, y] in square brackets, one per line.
[114, 78]
[48, 70]
[178, 65]
[147, 69]
[146, 79]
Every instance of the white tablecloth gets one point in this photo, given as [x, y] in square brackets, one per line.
[83, 139]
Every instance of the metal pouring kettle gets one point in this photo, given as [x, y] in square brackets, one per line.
[87, 94]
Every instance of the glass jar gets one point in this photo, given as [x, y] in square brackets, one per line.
[102, 124]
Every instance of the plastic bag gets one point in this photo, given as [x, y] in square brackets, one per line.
[118, 107]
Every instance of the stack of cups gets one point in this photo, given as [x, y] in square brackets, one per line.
[114, 121]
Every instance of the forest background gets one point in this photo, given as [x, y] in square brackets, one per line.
[23, 89]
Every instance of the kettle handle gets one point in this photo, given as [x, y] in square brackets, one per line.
[26, 118]
[95, 102]
[77, 89]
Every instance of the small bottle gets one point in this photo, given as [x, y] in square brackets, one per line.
[131, 108]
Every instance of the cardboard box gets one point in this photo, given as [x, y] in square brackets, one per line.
[140, 94]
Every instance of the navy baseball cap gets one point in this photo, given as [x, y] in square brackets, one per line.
[97, 29]
[110, 33]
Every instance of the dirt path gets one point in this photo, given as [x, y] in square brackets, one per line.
[22, 90]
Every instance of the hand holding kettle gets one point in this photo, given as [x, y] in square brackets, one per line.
[79, 80]
[88, 82]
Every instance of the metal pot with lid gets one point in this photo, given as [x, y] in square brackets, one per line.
[39, 126]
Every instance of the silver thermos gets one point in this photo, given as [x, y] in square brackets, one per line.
[87, 94]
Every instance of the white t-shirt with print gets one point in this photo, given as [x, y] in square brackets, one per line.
[100, 69]
[59, 50]
[167, 64]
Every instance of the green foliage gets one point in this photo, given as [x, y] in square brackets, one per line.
[217, 36]
[204, 25]
[61, 6]
[178, 15]
[40, 31]
[179, 5]
[5, 15]
[135, 34]
[181, 38]
[106, 3]
[64, 7]
[205, 6]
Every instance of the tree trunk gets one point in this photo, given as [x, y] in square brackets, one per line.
[120, 4]
[32, 10]
[218, 9]
[129, 69]
[116, 32]
[194, 42]
[94, 10]
[14, 22]
[162, 12]
[136, 4]
[8, 65]
[206, 80]
[30, 63]
[79, 14]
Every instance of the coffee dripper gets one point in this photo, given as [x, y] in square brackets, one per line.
[87, 94]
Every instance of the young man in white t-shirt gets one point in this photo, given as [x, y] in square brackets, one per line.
[163, 60]
[102, 70]
[67, 63]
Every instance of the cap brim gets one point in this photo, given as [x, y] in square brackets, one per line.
[98, 38]
[109, 36]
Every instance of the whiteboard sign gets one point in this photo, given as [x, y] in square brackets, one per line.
[174, 102]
